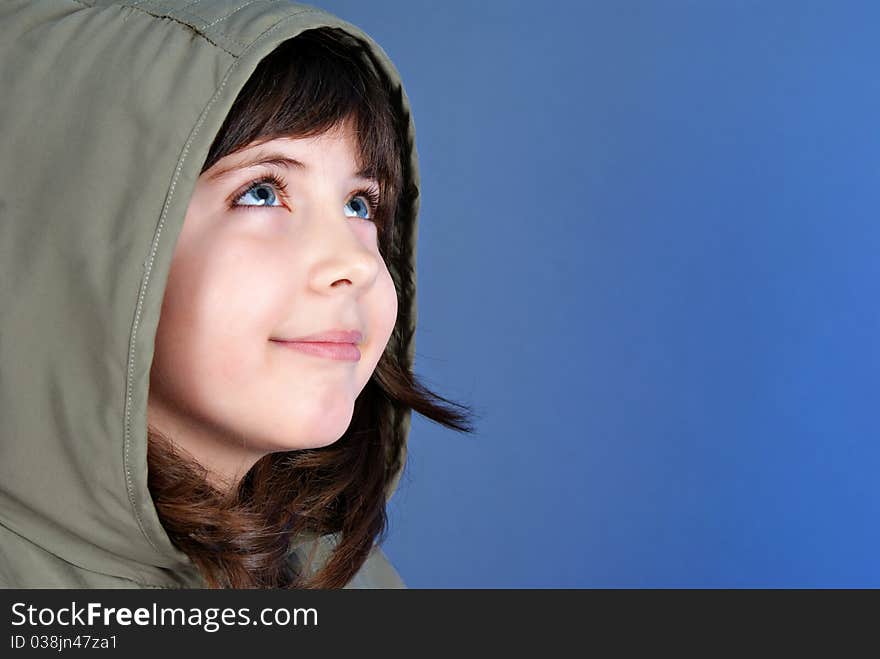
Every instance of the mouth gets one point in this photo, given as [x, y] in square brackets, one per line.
[331, 336]
[338, 351]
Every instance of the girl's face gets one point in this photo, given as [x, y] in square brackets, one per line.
[255, 263]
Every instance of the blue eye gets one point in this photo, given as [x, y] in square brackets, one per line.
[262, 191]
[371, 197]
[358, 204]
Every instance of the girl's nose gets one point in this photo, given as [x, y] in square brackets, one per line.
[342, 257]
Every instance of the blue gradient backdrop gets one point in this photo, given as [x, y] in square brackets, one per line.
[649, 255]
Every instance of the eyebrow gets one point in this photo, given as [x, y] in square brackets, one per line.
[278, 160]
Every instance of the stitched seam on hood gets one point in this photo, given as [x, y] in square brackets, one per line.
[192, 3]
[145, 284]
[237, 9]
[271, 28]
[194, 30]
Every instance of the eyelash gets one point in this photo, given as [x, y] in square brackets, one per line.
[371, 194]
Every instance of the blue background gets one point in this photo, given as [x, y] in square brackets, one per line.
[648, 257]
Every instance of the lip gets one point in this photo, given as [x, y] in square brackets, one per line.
[330, 350]
[332, 336]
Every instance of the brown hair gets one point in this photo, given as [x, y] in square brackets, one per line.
[315, 82]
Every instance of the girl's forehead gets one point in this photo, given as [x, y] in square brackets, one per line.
[335, 137]
[294, 153]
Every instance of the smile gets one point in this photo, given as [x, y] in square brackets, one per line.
[339, 351]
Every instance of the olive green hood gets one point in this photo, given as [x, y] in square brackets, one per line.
[109, 108]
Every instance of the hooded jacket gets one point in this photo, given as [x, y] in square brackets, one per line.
[108, 111]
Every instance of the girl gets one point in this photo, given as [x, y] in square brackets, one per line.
[209, 314]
